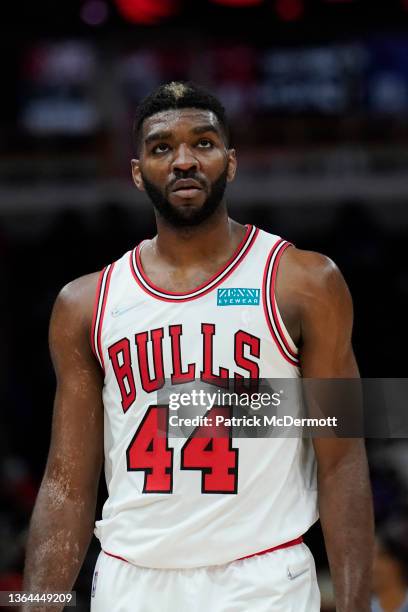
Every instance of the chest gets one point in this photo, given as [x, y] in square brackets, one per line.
[185, 342]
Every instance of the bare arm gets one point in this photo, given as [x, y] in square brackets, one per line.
[324, 315]
[62, 522]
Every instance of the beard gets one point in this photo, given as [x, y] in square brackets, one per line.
[187, 216]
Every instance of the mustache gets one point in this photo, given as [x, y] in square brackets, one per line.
[187, 175]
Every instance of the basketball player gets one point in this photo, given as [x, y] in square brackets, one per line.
[191, 526]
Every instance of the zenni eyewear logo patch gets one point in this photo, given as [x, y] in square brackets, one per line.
[238, 297]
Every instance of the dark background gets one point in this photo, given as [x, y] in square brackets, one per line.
[317, 94]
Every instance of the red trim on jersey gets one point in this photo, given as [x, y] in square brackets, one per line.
[292, 358]
[285, 545]
[191, 295]
[99, 331]
[262, 552]
[214, 276]
[115, 556]
[273, 300]
[95, 311]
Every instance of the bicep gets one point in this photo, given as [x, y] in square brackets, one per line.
[326, 352]
[326, 326]
[76, 449]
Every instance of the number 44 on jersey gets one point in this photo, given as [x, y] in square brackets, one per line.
[208, 449]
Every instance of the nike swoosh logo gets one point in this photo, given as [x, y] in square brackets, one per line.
[116, 312]
[292, 574]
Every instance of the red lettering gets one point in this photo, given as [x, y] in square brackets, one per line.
[208, 375]
[243, 339]
[178, 376]
[149, 383]
[120, 351]
[150, 453]
[209, 449]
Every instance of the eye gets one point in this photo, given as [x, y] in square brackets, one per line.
[205, 143]
[160, 148]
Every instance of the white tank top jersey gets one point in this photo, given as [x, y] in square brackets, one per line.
[171, 502]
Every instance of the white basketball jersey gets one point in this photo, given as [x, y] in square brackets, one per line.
[173, 503]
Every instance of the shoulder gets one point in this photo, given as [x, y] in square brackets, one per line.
[311, 286]
[75, 301]
[303, 268]
[309, 264]
[311, 275]
[80, 291]
[71, 322]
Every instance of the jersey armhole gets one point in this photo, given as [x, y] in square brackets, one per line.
[278, 330]
[101, 296]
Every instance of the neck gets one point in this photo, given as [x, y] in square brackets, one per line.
[211, 239]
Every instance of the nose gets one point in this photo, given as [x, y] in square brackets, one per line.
[184, 159]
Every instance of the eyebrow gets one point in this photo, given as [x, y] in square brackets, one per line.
[157, 136]
[208, 127]
[166, 135]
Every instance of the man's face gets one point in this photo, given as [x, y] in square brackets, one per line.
[184, 165]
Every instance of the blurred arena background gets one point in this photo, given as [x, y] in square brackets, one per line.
[317, 94]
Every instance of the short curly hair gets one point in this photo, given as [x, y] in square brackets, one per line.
[175, 95]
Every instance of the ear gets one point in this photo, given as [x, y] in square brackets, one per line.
[137, 175]
[232, 165]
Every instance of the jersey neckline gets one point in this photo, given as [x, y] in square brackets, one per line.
[153, 290]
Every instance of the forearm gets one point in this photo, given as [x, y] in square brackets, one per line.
[60, 531]
[346, 515]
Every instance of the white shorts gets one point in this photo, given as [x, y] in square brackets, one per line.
[283, 580]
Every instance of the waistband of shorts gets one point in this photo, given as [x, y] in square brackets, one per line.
[261, 552]
[115, 556]
[294, 542]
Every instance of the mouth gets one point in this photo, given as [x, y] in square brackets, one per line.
[186, 188]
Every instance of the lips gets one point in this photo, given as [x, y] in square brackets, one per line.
[185, 185]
